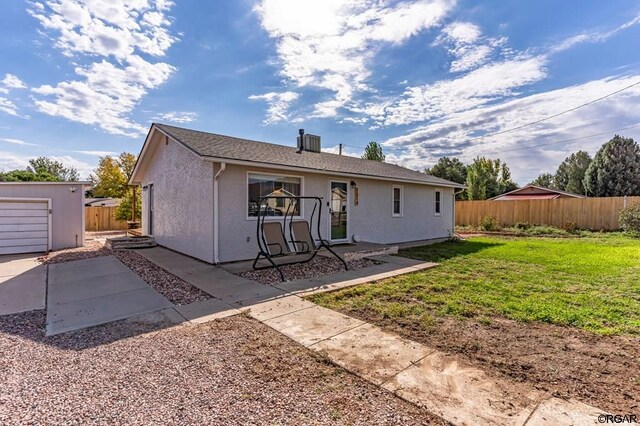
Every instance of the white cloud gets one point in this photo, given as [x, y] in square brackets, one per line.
[8, 106]
[345, 151]
[177, 117]
[10, 81]
[84, 168]
[97, 153]
[10, 161]
[328, 44]
[278, 105]
[592, 37]
[107, 90]
[468, 47]
[458, 134]
[17, 142]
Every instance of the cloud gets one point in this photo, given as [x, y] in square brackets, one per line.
[177, 117]
[328, 44]
[460, 133]
[108, 89]
[10, 81]
[278, 105]
[592, 37]
[467, 46]
[10, 161]
[84, 169]
[17, 142]
[97, 153]
[8, 106]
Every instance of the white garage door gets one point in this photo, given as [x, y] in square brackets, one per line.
[24, 226]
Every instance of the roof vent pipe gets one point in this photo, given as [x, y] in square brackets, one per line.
[300, 141]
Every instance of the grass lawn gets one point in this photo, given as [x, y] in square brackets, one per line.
[592, 283]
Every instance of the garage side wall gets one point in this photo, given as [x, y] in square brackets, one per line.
[183, 199]
[67, 218]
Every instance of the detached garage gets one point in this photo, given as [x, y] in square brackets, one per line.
[41, 216]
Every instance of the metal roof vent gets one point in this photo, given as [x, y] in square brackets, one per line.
[311, 143]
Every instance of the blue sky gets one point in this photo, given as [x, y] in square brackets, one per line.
[85, 78]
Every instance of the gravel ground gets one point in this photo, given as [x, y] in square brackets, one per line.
[173, 288]
[319, 266]
[232, 371]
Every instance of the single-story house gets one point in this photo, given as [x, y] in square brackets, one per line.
[41, 216]
[535, 192]
[200, 193]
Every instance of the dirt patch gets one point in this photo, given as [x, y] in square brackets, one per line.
[233, 371]
[92, 248]
[601, 371]
[317, 267]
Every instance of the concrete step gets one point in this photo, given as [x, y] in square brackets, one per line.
[126, 243]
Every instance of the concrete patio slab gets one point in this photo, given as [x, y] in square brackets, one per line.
[462, 394]
[312, 325]
[277, 308]
[19, 264]
[372, 353]
[555, 411]
[96, 299]
[23, 291]
[206, 310]
[101, 285]
[399, 260]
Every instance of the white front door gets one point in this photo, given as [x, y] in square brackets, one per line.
[338, 211]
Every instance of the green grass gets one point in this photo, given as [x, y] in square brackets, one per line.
[591, 283]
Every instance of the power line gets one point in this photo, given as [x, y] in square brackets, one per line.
[563, 141]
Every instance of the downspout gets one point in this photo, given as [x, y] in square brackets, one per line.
[216, 209]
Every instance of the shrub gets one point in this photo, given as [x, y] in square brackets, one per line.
[630, 218]
[489, 223]
[523, 225]
[570, 226]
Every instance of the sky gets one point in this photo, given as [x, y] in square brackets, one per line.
[81, 79]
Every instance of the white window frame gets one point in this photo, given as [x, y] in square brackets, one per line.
[393, 190]
[285, 175]
[435, 202]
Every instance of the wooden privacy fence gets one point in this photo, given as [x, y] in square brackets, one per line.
[102, 219]
[585, 213]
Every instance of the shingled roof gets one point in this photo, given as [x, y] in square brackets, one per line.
[267, 154]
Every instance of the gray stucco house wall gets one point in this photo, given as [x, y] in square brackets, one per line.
[66, 204]
[184, 202]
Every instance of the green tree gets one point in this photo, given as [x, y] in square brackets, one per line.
[615, 169]
[450, 169]
[373, 151]
[27, 176]
[571, 172]
[123, 211]
[127, 162]
[53, 168]
[108, 179]
[545, 179]
[487, 178]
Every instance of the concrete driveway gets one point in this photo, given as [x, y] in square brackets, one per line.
[23, 283]
[96, 291]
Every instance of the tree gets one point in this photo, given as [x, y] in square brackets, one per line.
[487, 178]
[123, 211]
[615, 169]
[108, 179]
[27, 176]
[570, 174]
[545, 179]
[373, 151]
[53, 168]
[450, 169]
[127, 162]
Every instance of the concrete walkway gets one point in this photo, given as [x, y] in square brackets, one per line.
[96, 291]
[442, 383]
[23, 283]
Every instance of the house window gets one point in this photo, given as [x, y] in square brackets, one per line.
[438, 203]
[266, 185]
[397, 201]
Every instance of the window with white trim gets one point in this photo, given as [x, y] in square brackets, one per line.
[263, 185]
[396, 198]
[438, 203]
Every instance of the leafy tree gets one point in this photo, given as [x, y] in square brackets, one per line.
[27, 176]
[448, 168]
[570, 174]
[546, 180]
[487, 178]
[123, 211]
[615, 169]
[373, 151]
[108, 179]
[53, 168]
[127, 162]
